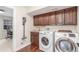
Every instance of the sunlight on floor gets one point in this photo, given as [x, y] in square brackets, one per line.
[6, 45]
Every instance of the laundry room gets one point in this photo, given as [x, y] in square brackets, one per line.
[44, 29]
[44, 25]
[39, 29]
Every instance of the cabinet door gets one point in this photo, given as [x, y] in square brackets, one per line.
[60, 17]
[52, 18]
[71, 16]
[41, 20]
[35, 38]
[45, 19]
[36, 21]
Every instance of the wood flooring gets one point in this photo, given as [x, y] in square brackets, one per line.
[30, 48]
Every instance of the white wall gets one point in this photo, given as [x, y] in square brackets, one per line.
[77, 28]
[55, 28]
[20, 12]
[33, 8]
[77, 20]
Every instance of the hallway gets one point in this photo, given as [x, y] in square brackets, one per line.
[6, 45]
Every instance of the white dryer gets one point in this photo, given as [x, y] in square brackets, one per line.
[46, 41]
[66, 42]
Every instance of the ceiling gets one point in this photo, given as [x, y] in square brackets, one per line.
[8, 11]
[47, 9]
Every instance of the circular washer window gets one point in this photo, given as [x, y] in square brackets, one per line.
[65, 45]
[45, 41]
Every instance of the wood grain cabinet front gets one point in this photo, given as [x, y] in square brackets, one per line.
[36, 21]
[71, 16]
[66, 16]
[52, 18]
[35, 38]
[60, 17]
[45, 19]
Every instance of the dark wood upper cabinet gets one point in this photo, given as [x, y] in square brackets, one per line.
[60, 17]
[40, 18]
[36, 21]
[70, 16]
[43, 19]
[52, 17]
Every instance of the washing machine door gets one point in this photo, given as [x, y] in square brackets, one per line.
[66, 45]
[45, 42]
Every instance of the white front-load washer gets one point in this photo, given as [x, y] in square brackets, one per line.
[46, 41]
[66, 42]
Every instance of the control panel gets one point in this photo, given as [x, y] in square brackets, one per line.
[72, 35]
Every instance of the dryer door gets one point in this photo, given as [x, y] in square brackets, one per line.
[66, 45]
[45, 42]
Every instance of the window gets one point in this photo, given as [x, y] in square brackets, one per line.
[7, 24]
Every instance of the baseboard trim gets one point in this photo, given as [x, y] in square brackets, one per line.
[22, 46]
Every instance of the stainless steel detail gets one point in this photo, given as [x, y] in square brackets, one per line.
[66, 45]
[45, 41]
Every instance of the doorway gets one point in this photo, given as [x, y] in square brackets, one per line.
[6, 29]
